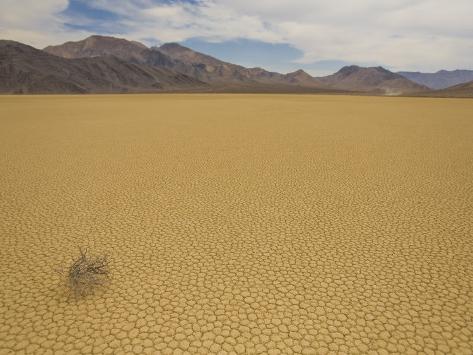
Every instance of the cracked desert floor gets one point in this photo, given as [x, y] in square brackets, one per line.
[238, 224]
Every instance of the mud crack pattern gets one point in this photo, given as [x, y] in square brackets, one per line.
[238, 224]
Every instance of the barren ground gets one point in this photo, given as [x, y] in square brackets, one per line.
[277, 224]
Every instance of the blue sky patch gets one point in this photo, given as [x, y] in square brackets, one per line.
[81, 9]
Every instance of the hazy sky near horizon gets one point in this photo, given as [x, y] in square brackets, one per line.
[319, 36]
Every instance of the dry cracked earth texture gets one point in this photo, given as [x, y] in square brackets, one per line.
[238, 224]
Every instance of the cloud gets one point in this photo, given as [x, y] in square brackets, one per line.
[37, 23]
[402, 34]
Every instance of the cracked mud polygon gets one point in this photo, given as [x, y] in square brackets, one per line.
[238, 224]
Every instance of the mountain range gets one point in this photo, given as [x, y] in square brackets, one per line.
[177, 58]
[441, 79]
[100, 64]
[460, 90]
[24, 69]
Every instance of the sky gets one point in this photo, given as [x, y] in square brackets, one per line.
[319, 36]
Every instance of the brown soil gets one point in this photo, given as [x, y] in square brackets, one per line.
[239, 224]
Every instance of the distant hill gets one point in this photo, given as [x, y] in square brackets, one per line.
[299, 77]
[109, 64]
[441, 79]
[374, 79]
[24, 69]
[220, 74]
[213, 70]
[97, 46]
[460, 90]
[178, 58]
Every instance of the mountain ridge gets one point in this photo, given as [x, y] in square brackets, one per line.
[441, 79]
[24, 69]
[109, 64]
[464, 90]
[214, 71]
[171, 56]
[375, 79]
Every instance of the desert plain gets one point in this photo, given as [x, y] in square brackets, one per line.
[238, 224]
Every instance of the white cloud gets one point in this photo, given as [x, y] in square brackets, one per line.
[403, 34]
[35, 22]
[209, 20]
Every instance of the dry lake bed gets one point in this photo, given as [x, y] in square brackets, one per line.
[238, 224]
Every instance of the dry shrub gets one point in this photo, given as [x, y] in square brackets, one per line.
[87, 273]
